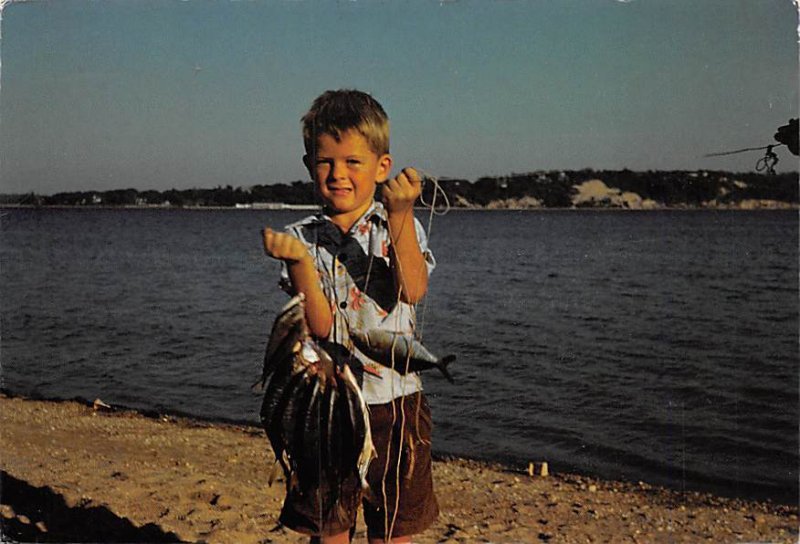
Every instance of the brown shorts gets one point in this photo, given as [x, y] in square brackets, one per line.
[401, 501]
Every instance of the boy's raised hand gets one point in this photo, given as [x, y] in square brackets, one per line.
[400, 193]
[283, 246]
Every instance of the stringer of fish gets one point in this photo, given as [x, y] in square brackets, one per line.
[313, 412]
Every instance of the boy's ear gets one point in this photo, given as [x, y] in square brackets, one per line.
[308, 162]
[384, 167]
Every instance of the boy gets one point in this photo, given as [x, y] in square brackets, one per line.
[362, 265]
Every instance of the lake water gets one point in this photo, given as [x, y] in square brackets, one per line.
[656, 346]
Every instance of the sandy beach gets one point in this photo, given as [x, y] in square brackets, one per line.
[73, 473]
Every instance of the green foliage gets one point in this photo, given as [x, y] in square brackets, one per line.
[555, 189]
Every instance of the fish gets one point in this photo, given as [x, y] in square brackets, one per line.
[330, 438]
[313, 412]
[289, 326]
[360, 416]
[276, 404]
[401, 352]
[309, 444]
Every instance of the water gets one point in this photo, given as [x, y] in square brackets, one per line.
[655, 346]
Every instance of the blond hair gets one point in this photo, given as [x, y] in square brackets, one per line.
[336, 112]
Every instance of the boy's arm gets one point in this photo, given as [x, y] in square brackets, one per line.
[304, 277]
[409, 267]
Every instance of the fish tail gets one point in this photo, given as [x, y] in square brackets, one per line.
[443, 362]
[258, 387]
[367, 493]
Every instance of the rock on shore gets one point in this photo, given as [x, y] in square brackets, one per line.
[73, 473]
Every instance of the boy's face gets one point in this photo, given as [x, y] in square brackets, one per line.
[346, 173]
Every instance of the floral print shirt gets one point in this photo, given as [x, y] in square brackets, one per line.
[356, 277]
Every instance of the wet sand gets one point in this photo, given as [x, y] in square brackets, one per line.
[71, 473]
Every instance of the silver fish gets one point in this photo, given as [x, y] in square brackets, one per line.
[367, 452]
[401, 352]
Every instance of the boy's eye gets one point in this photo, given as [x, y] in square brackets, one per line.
[353, 161]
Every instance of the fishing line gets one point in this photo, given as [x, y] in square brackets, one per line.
[371, 252]
[338, 332]
[767, 162]
[388, 531]
[724, 153]
[419, 326]
[328, 280]
[319, 442]
[389, 528]
[436, 190]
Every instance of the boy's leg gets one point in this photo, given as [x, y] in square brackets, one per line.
[401, 540]
[402, 502]
[341, 538]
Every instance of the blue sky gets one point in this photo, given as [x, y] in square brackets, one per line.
[155, 94]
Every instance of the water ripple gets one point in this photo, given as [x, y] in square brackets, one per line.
[651, 346]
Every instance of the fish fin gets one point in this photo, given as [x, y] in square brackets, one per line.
[443, 362]
[277, 467]
[367, 493]
[258, 386]
[294, 481]
[371, 371]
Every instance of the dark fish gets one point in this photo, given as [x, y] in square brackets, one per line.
[313, 412]
[330, 438]
[285, 421]
[275, 406]
[401, 352]
[274, 393]
[310, 459]
[294, 418]
[289, 328]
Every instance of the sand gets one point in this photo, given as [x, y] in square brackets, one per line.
[75, 474]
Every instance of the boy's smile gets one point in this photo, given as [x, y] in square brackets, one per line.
[345, 174]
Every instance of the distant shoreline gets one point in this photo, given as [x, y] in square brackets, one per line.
[783, 206]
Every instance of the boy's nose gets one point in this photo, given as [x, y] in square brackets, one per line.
[339, 170]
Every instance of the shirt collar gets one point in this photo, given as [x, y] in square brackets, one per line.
[376, 212]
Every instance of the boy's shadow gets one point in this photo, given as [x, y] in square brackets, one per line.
[64, 523]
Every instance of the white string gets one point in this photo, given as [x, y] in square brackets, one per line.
[389, 528]
[337, 332]
[436, 190]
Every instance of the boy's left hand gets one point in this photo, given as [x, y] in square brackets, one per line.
[400, 193]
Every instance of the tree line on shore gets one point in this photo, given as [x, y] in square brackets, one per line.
[551, 189]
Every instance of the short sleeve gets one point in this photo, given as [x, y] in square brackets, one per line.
[430, 260]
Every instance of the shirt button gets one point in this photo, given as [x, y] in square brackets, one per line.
[343, 305]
